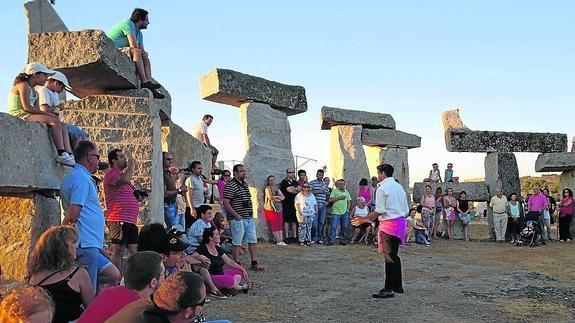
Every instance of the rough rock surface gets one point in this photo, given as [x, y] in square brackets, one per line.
[475, 191]
[42, 18]
[555, 162]
[268, 152]
[347, 158]
[396, 157]
[390, 138]
[459, 138]
[132, 124]
[24, 218]
[185, 148]
[90, 60]
[28, 157]
[330, 117]
[501, 171]
[235, 88]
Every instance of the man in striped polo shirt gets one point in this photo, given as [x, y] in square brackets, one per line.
[320, 191]
[122, 206]
[237, 201]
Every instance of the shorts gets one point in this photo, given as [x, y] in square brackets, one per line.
[244, 229]
[94, 261]
[437, 216]
[122, 233]
[466, 217]
[75, 133]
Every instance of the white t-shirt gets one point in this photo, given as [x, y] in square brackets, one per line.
[391, 200]
[46, 96]
[360, 213]
[199, 129]
[306, 203]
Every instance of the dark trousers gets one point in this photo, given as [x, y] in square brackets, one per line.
[392, 262]
[564, 223]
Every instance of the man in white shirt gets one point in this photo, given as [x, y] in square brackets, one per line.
[200, 131]
[391, 207]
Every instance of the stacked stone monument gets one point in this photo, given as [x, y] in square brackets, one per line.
[351, 130]
[264, 108]
[112, 109]
[559, 162]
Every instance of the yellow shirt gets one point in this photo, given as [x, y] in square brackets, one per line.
[498, 204]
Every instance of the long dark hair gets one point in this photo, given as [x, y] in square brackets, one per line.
[208, 232]
[22, 77]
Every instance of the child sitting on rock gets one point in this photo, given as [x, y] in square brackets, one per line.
[421, 232]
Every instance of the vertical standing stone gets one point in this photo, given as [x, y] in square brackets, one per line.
[268, 152]
[347, 157]
[396, 157]
[501, 171]
[24, 218]
[42, 18]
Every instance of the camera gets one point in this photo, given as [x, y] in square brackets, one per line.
[140, 194]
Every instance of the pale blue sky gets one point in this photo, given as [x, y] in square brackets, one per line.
[508, 65]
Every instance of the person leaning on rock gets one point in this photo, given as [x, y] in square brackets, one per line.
[127, 36]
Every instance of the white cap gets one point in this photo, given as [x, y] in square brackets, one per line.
[36, 67]
[59, 76]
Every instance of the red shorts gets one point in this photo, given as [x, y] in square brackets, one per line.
[275, 220]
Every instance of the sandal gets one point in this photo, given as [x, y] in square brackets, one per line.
[258, 267]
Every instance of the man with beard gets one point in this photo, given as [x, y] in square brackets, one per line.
[122, 206]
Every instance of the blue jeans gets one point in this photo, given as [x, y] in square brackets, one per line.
[171, 214]
[318, 221]
[335, 221]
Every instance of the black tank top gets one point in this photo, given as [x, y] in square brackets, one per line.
[68, 302]
[463, 205]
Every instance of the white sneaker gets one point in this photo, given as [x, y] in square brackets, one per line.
[66, 159]
[281, 243]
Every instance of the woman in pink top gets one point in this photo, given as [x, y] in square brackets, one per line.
[565, 214]
[364, 190]
[221, 183]
[427, 203]
[450, 207]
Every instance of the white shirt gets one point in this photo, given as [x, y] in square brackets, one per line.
[390, 200]
[199, 129]
[47, 96]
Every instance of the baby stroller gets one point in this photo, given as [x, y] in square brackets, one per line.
[528, 234]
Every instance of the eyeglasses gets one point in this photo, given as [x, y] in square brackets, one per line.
[305, 186]
[290, 172]
[96, 155]
[200, 303]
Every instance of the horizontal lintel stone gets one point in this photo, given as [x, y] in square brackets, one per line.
[88, 58]
[555, 162]
[475, 191]
[235, 88]
[390, 138]
[330, 117]
[464, 140]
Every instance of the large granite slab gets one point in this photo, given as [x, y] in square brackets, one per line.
[42, 18]
[90, 60]
[330, 117]
[235, 88]
[459, 138]
[555, 162]
[390, 138]
[396, 157]
[475, 191]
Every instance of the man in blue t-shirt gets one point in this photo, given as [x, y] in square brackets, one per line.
[127, 36]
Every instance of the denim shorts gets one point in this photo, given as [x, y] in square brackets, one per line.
[75, 132]
[244, 229]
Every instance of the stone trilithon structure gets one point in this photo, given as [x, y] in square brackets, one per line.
[351, 130]
[500, 163]
[264, 108]
[113, 110]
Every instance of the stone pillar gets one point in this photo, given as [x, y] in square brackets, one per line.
[396, 157]
[501, 171]
[268, 152]
[347, 158]
[24, 218]
[132, 124]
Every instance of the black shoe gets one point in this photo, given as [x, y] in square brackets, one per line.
[543, 242]
[342, 243]
[399, 290]
[150, 85]
[329, 244]
[384, 293]
[157, 95]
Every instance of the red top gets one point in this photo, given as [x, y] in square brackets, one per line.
[109, 302]
[121, 204]
[567, 205]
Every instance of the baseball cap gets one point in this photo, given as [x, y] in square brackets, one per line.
[59, 76]
[172, 243]
[36, 67]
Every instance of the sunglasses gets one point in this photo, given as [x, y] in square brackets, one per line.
[95, 155]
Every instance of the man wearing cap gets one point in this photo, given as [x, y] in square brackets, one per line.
[122, 206]
[49, 100]
[127, 36]
[180, 298]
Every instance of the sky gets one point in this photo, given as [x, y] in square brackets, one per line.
[507, 65]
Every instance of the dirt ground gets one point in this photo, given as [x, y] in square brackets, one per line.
[456, 281]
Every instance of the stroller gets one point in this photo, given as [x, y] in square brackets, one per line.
[529, 233]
